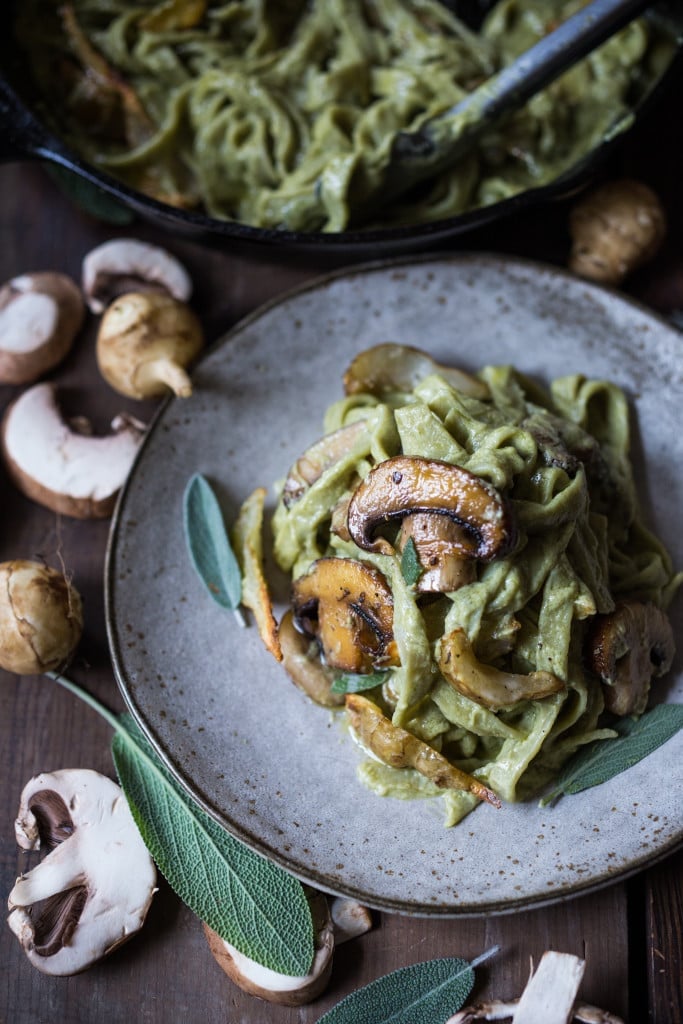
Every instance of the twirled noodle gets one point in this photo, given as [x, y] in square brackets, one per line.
[561, 459]
[282, 115]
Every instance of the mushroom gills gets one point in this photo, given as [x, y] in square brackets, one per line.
[326, 452]
[348, 607]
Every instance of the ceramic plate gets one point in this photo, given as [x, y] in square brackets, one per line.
[272, 767]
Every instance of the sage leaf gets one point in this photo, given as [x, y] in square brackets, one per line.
[411, 569]
[208, 543]
[252, 904]
[350, 683]
[602, 760]
[426, 993]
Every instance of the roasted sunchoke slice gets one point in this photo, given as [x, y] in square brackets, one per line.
[404, 485]
[319, 457]
[627, 648]
[400, 749]
[349, 608]
[488, 685]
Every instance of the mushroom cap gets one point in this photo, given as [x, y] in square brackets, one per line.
[41, 618]
[127, 264]
[144, 342]
[92, 892]
[404, 484]
[75, 474]
[40, 315]
[391, 367]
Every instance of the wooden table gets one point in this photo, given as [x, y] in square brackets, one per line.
[631, 933]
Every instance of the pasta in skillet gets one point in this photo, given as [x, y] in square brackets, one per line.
[470, 574]
[282, 115]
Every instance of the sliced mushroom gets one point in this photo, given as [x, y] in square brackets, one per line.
[319, 457]
[72, 473]
[627, 648]
[438, 541]
[128, 265]
[485, 684]
[146, 342]
[93, 890]
[398, 748]
[348, 607]
[306, 672]
[391, 367]
[404, 485]
[284, 989]
[40, 315]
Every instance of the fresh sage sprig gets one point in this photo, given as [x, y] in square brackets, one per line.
[411, 569]
[602, 760]
[426, 993]
[209, 545]
[254, 905]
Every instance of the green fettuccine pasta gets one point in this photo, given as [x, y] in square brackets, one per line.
[560, 459]
[283, 114]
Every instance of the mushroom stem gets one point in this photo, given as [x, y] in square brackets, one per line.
[164, 371]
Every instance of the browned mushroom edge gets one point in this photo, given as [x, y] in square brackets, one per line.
[348, 607]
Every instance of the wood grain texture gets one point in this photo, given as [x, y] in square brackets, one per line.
[166, 974]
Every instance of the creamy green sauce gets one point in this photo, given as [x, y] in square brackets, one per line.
[283, 114]
[561, 458]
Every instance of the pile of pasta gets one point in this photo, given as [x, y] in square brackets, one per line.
[283, 115]
[520, 664]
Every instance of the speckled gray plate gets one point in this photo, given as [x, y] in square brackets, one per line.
[275, 769]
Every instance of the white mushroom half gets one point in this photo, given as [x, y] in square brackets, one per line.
[128, 265]
[93, 890]
[73, 473]
[284, 989]
[40, 315]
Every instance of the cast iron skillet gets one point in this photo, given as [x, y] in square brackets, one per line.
[24, 135]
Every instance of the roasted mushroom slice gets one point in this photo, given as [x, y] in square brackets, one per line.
[319, 457]
[348, 607]
[309, 674]
[391, 367]
[400, 749]
[485, 684]
[405, 485]
[627, 648]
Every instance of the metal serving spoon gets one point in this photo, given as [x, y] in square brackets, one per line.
[445, 139]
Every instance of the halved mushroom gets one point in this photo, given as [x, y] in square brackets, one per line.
[348, 607]
[400, 749]
[128, 265]
[284, 989]
[408, 485]
[392, 367]
[627, 648]
[40, 315]
[93, 890]
[309, 674]
[319, 457]
[485, 684]
[73, 473]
